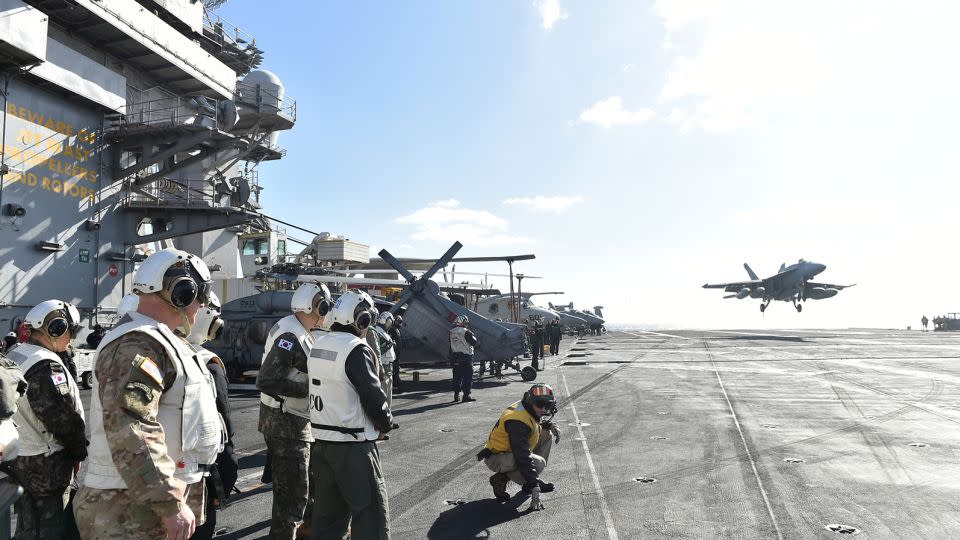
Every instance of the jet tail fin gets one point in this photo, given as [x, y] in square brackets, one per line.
[783, 266]
[750, 272]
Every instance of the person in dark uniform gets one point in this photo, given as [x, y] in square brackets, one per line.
[53, 442]
[93, 338]
[349, 413]
[397, 335]
[536, 341]
[223, 475]
[555, 334]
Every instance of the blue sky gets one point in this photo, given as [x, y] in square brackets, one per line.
[668, 141]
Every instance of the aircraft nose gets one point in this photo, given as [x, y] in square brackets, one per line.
[817, 267]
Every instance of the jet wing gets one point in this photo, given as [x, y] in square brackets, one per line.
[734, 286]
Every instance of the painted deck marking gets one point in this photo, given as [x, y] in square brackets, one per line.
[611, 531]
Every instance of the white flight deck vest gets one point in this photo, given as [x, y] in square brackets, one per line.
[193, 430]
[458, 341]
[334, 401]
[293, 405]
[35, 440]
[388, 356]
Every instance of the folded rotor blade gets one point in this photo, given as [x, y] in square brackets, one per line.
[442, 261]
[397, 265]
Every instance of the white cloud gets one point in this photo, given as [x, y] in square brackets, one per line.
[736, 63]
[446, 221]
[627, 68]
[610, 112]
[550, 12]
[545, 204]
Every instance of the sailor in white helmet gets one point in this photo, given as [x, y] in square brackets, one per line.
[348, 413]
[154, 426]
[387, 352]
[223, 476]
[284, 412]
[51, 422]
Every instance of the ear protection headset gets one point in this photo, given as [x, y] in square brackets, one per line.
[322, 304]
[60, 324]
[362, 316]
[182, 285]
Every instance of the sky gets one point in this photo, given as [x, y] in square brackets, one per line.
[639, 148]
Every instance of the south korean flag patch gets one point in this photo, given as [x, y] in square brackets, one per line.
[285, 344]
[59, 379]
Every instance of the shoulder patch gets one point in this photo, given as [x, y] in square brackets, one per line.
[59, 379]
[285, 344]
[149, 367]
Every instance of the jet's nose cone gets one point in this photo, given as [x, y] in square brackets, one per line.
[817, 268]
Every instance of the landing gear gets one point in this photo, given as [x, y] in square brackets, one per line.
[528, 373]
[763, 307]
[798, 306]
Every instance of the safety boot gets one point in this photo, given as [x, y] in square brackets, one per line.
[499, 483]
[456, 397]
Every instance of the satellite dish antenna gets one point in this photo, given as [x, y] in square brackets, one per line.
[241, 191]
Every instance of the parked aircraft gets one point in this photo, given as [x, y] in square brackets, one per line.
[791, 284]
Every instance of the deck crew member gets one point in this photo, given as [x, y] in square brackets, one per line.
[348, 413]
[536, 341]
[51, 423]
[518, 447]
[462, 342]
[284, 413]
[224, 473]
[154, 426]
[387, 353]
[396, 333]
[555, 334]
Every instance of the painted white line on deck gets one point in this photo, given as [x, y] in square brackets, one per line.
[738, 333]
[611, 532]
[753, 464]
[656, 334]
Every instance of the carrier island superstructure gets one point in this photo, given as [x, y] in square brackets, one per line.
[127, 125]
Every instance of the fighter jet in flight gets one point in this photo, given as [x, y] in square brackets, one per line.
[791, 284]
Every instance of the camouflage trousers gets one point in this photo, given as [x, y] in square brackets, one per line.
[290, 462]
[349, 492]
[111, 514]
[43, 518]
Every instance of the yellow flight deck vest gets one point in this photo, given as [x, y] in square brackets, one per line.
[499, 440]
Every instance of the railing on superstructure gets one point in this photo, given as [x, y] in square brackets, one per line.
[177, 194]
[166, 111]
[230, 44]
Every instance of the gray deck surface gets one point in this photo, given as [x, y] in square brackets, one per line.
[748, 434]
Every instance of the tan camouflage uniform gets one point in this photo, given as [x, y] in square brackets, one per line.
[130, 399]
[288, 438]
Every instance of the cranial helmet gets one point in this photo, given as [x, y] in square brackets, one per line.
[54, 318]
[127, 304]
[385, 320]
[541, 395]
[312, 298]
[374, 314]
[208, 324]
[462, 320]
[178, 277]
[352, 309]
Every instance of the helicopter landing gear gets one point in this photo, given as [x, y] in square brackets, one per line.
[528, 373]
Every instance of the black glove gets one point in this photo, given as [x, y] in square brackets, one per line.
[484, 454]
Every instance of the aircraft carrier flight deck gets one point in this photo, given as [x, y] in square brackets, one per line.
[682, 434]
